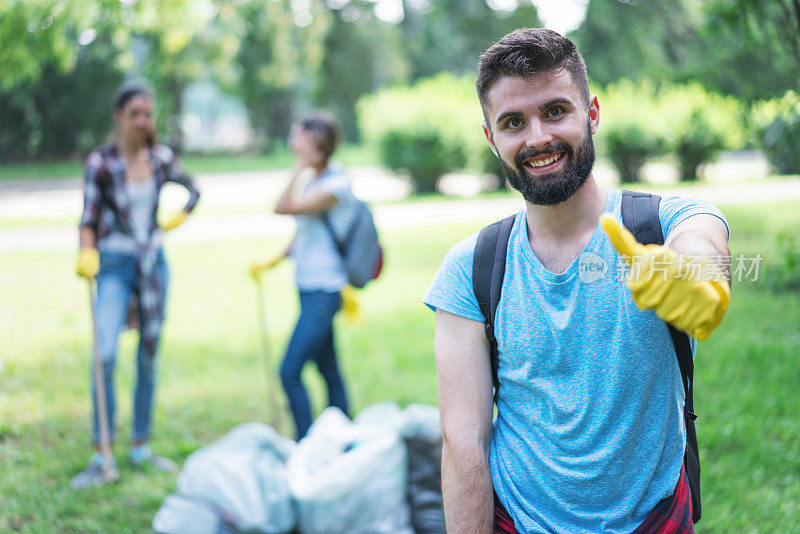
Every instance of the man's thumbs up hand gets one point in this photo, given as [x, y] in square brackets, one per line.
[690, 293]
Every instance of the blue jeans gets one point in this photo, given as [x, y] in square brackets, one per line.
[116, 283]
[312, 340]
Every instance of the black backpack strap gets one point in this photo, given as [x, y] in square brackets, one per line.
[488, 270]
[640, 217]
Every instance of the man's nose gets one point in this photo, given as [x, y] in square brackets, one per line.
[538, 135]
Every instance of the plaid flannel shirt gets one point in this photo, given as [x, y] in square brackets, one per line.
[106, 209]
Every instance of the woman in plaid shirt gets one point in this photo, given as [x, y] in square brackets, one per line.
[120, 245]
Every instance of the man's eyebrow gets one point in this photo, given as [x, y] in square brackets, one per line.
[506, 115]
[554, 101]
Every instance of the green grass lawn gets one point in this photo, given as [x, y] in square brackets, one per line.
[212, 376]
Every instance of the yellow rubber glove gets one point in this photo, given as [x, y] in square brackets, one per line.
[350, 306]
[691, 295]
[176, 220]
[258, 267]
[88, 263]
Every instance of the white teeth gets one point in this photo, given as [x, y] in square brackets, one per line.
[544, 162]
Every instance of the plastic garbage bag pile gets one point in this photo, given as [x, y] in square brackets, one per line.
[379, 473]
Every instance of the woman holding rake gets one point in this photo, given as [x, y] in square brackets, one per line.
[120, 246]
[323, 211]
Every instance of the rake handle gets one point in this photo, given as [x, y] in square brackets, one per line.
[100, 388]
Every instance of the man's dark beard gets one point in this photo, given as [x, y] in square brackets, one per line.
[553, 188]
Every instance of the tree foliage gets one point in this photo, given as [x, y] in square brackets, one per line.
[450, 35]
[280, 50]
[61, 112]
[745, 48]
[34, 33]
[283, 57]
[777, 122]
[753, 48]
[658, 41]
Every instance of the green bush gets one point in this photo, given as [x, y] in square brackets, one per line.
[427, 129]
[785, 275]
[778, 125]
[638, 122]
[629, 147]
[423, 154]
[628, 134]
[698, 124]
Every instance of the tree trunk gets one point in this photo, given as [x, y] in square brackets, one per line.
[175, 127]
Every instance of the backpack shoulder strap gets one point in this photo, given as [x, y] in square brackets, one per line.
[488, 270]
[329, 226]
[640, 217]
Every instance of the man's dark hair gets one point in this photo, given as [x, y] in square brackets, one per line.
[525, 52]
[325, 129]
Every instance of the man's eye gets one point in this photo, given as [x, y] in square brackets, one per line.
[514, 123]
[554, 112]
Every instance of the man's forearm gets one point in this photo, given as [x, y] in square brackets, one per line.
[467, 492]
[694, 243]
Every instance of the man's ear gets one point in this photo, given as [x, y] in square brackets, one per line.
[594, 114]
[488, 133]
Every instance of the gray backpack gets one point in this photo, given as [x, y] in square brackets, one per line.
[360, 250]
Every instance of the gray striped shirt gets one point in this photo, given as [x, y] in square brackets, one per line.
[318, 264]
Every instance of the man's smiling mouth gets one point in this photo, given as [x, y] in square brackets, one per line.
[544, 163]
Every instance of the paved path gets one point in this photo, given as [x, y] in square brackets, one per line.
[237, 206]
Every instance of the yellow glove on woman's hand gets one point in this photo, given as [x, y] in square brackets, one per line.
[258, 267]
[691, 295]
[176, 220]
[88, 263]
[350, 306]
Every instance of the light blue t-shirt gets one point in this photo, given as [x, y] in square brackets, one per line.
[589, 433]
[318, 263]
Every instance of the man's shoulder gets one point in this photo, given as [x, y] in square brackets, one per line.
[463, 251]
[452, 289]
[674, 209]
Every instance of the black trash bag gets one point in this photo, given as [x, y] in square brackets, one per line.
[423, 439]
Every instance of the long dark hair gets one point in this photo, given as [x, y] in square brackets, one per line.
[128, 92]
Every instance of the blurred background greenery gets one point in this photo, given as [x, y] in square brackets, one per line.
[677, 79]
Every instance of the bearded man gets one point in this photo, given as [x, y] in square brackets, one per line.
[590, 432]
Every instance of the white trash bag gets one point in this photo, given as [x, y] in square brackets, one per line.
[182, 515]
[350, 477]
[242, 478]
